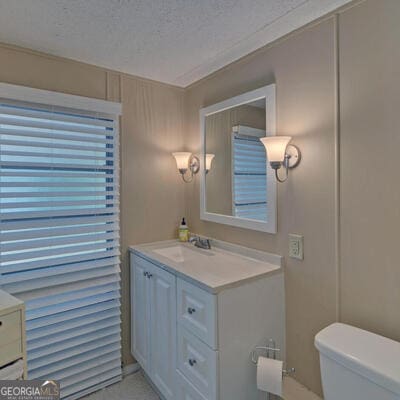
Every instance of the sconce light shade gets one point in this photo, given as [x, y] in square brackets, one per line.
[182, 160]
[275, 147]
[281, 153]
[209, 159]
[187, 161]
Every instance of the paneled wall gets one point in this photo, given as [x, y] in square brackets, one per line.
[151, 188]
[303, 68]
[370, 179]
[338, 95]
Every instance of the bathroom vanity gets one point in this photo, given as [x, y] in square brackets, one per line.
[197, 315]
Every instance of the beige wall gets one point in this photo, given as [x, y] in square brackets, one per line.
[355, 278]
[303, 69]
[370, 183]
[152, 198]
[338, 96]
[151, 128]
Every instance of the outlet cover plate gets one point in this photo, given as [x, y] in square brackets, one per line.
[296, 247]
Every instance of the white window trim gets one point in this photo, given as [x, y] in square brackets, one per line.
[104, 288]
[270, 226]
[46, 97]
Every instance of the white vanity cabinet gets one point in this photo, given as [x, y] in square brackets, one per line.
[193, 339]
[154, 323]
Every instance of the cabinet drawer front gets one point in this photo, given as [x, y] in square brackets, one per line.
[198, 363]
[185, 390]
[197, 312]
[10, 327]
[10, 351]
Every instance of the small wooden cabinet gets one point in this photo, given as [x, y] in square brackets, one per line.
[194, 344]
[12, 331]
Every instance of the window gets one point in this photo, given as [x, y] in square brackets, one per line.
[59, 228]
[249, 174]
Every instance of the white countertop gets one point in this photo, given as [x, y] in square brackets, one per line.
[224, 266]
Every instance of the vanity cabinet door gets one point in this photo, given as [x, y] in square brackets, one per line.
[163, 331]
[140, 303]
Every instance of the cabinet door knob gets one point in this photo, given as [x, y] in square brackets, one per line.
[145, 273]
[149, 275]
[191, 310]
[192, 361]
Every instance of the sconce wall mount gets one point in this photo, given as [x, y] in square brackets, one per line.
[187, 162]
[281, 154]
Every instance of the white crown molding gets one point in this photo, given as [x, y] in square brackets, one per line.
[295, 19]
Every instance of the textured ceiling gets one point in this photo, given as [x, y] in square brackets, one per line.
[173, 41]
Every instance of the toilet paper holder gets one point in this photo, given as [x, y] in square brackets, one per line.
[271, 351]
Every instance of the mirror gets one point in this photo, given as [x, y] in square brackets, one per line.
[237, 184]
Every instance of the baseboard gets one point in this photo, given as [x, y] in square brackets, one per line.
[294, 390]
[93, 389]
[130, 369]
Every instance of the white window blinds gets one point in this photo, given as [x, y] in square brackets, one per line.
[249, 174]
[59, 235]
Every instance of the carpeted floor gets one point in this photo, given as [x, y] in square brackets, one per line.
[132, 387]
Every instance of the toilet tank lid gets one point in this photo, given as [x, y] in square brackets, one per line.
[375, 357]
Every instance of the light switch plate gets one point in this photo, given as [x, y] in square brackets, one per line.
[296, 246]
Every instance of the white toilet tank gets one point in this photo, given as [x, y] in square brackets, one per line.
[358, 365]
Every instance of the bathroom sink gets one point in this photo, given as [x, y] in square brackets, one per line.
[174, 253]
[182, 252]
[223, 266]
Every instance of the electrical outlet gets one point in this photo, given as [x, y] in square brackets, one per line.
[296, 246]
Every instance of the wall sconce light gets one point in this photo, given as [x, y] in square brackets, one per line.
[281, 153]
[187, 161]
[209, 159]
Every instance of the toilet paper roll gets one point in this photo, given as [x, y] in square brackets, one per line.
[269, 375]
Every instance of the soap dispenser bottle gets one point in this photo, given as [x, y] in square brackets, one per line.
[183, 231]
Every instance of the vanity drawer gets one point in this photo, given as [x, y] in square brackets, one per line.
[10, 327]
[197, 312]
[198, 363]
[10, 337]
[10, 352]
[185, 390]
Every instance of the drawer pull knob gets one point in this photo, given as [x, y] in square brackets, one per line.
[145, 273]
[191, 310]
[192, 361]
[149, 275]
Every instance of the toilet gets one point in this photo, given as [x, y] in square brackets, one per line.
[358, 365]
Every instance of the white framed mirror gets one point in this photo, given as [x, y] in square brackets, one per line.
[237, 185]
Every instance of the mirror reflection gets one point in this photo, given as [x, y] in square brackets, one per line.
[236, 182]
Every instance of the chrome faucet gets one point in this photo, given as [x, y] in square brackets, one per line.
[200, 243]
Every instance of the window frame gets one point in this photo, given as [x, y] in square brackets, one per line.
[45, 299]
